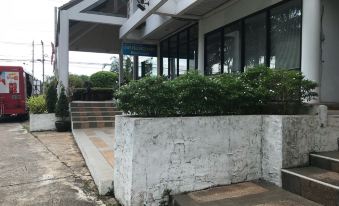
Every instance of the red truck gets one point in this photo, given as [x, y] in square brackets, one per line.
[15, 88]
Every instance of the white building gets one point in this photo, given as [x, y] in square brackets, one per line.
[213, 36]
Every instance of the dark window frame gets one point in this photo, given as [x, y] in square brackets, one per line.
[266, 11]
[187, 30]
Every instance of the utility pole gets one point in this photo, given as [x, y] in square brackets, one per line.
[43, 65]
[33, 59]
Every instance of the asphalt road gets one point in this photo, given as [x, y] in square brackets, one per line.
[45, 169]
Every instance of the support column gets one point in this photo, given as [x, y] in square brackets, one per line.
[311, 41]
[121, 69]
[158, 60]
[135, 67]
[63, 51]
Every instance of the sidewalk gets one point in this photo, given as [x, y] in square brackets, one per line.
[46, 169]
[96, 145]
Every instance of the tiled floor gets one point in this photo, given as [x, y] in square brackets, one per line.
[103, 140]
[96, 145]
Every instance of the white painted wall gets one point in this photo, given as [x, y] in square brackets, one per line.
[42, 122]
[227, 14]
[194, 153]
[183, 154]
[330, 52]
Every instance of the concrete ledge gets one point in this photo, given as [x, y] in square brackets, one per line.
[185, 154]
[42, 122]
[100, 170]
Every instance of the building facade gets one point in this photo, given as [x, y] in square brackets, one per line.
[218, 36]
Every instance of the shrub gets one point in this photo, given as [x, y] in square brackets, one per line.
[150, 96]
[105, 79]
[51, 97]
[237, 96]
[96, 94]
[62, 107]
[257, 91]
[37, 104]
[75, 81]
[198, 95]
[278, 91]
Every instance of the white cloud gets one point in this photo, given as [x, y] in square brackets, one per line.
[23, 21]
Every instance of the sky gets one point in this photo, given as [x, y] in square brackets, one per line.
[25, 21]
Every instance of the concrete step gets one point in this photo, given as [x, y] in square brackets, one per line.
[333, 120]
[92, 104]
[333, 112]
[325, 160]
[92, 124]
[93, 109]
[93, 118]
[96, 113]
[313, 183]
[254, 193]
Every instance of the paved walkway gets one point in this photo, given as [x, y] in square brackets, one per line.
[96, 145]
[254, 193]
[45, 170]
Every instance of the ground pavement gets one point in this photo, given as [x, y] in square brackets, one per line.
[43, 169]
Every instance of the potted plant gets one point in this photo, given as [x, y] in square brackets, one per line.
[62, 112]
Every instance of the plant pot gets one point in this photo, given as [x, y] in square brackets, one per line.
[63, 126]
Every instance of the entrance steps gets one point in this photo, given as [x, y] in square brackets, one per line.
[93, 114]
[255, 193]
[318, 182]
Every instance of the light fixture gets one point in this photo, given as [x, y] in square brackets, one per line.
[142, 4]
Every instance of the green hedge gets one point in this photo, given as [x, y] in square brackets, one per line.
[105, 79]
[257, 91]
[37, 104]
[95, 94]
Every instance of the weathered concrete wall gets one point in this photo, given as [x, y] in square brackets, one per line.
[183, 154]
[42, 122]
[287, 142]
[193, 153]
[272, 142]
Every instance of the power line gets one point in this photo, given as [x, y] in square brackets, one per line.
[38, 60]
[20, 43]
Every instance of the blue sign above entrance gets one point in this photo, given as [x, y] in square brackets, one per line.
[139, 49]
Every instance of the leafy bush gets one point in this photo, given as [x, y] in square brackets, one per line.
[257, 91]
[62, 107]
[75, 81]
[37, 104]
[51, 97]
[150, 96]
[96, 94]
[105, 79]
[197, 95]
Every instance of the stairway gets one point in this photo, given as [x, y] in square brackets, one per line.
[319, 182]
[93, 114]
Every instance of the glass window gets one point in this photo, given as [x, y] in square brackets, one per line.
[213, 53]
[193, 48]
[285, 34]
[183, 49]
[164, 58]
[232, 48]
[173, 57]
[255, 40]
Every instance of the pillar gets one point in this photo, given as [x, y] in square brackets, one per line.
[63, 51]
[135, 67]
[121, 69]
[311, 41]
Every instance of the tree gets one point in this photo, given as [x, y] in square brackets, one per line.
[51, 97]
[62, 107]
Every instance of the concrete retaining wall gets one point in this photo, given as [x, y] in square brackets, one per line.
[42, 122]
[194, 153]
